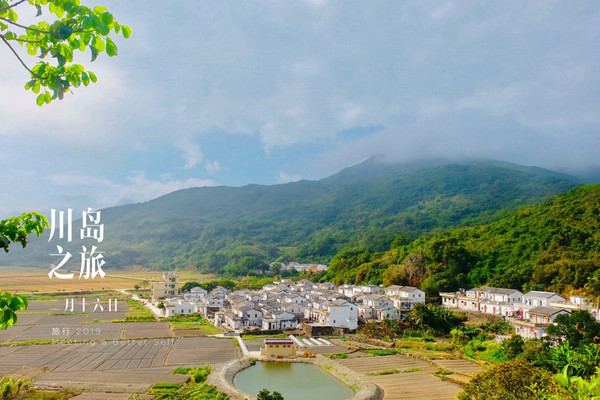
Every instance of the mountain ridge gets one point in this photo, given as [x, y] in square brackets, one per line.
[371, 203]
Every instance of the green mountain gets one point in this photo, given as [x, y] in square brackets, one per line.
[369, 205]
[554, 245]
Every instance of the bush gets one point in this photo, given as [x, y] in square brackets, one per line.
[508, 381]
[13, 388]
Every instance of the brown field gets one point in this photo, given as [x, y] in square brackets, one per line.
[27, 279]
[120, 367]
[101, 356]
[421, 384]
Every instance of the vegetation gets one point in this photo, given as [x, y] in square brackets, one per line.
[373, 206]
[68, 28]
[381, 352]
[579, 328]
[136, 312]
[195, 388]
[508, 381]
[11, 388]
[16, 229]
[554, 245]
[264, 394]
[338, 356]
[193, 321]
[395, 371]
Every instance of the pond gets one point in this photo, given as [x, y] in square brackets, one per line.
[295, 381]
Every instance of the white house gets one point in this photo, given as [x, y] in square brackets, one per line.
[195, 293]
[342, 314]
[280, 320]
[536, 321]
[541, 299]
[178, 306]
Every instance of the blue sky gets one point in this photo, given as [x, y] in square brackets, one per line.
[231, 93]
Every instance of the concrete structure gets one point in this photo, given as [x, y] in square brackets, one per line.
[489, 300]
[541, 299]
[168, 287]
[279, 348]
[536, 322]
[178, 306]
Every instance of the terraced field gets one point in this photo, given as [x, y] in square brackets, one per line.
[121, 366]
[108, 359]
[416, 385]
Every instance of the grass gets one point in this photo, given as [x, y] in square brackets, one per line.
[165, 386]
[338, 356]
[43, 395]
[381, 352]
[194, 388]
[395, 371]
[441, 372]
[136, 312]
[261, 336]
[193, 321]
[34, 341]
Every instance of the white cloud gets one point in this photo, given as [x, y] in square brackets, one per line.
[286, 178]
[213, 166]
[192, 154]
[107, 193]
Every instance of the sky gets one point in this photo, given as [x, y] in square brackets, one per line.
[268, 92]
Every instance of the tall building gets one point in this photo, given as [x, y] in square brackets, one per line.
[169, 286]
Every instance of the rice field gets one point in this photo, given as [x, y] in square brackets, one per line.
[17, 279]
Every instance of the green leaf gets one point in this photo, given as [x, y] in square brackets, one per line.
[103, 29]
[40, 100]
[61, 59]
[106, 18]
[126, 31]
[111, 47]
[85, 79]
[99, 10]
[39, 10]
[98, 44]
[64, 32]
[68, 6]
[92, 76]
[94, 53]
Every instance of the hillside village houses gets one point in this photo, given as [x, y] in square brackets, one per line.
[529, 313]
[286, 305]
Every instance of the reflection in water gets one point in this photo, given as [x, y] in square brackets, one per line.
[295, 381]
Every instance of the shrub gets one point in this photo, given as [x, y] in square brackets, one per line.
[13, 388]
[508, 381]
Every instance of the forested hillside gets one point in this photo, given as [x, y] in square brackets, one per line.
[369, 205]
[554, 245]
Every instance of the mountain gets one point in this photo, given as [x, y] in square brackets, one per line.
[554, 245]
[369, 204]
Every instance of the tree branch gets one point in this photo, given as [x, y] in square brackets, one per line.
[28, 41]
[24, 27]
[11, 6]
[18, 57]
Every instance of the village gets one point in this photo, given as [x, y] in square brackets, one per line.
[323, 308]
[287, 305]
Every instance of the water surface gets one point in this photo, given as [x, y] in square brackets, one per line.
[295, 381]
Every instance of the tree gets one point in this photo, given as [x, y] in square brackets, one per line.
[266, 395]
[70, 27]
[579, 328]
[508, 381]
[186, 287]
[16, 229]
